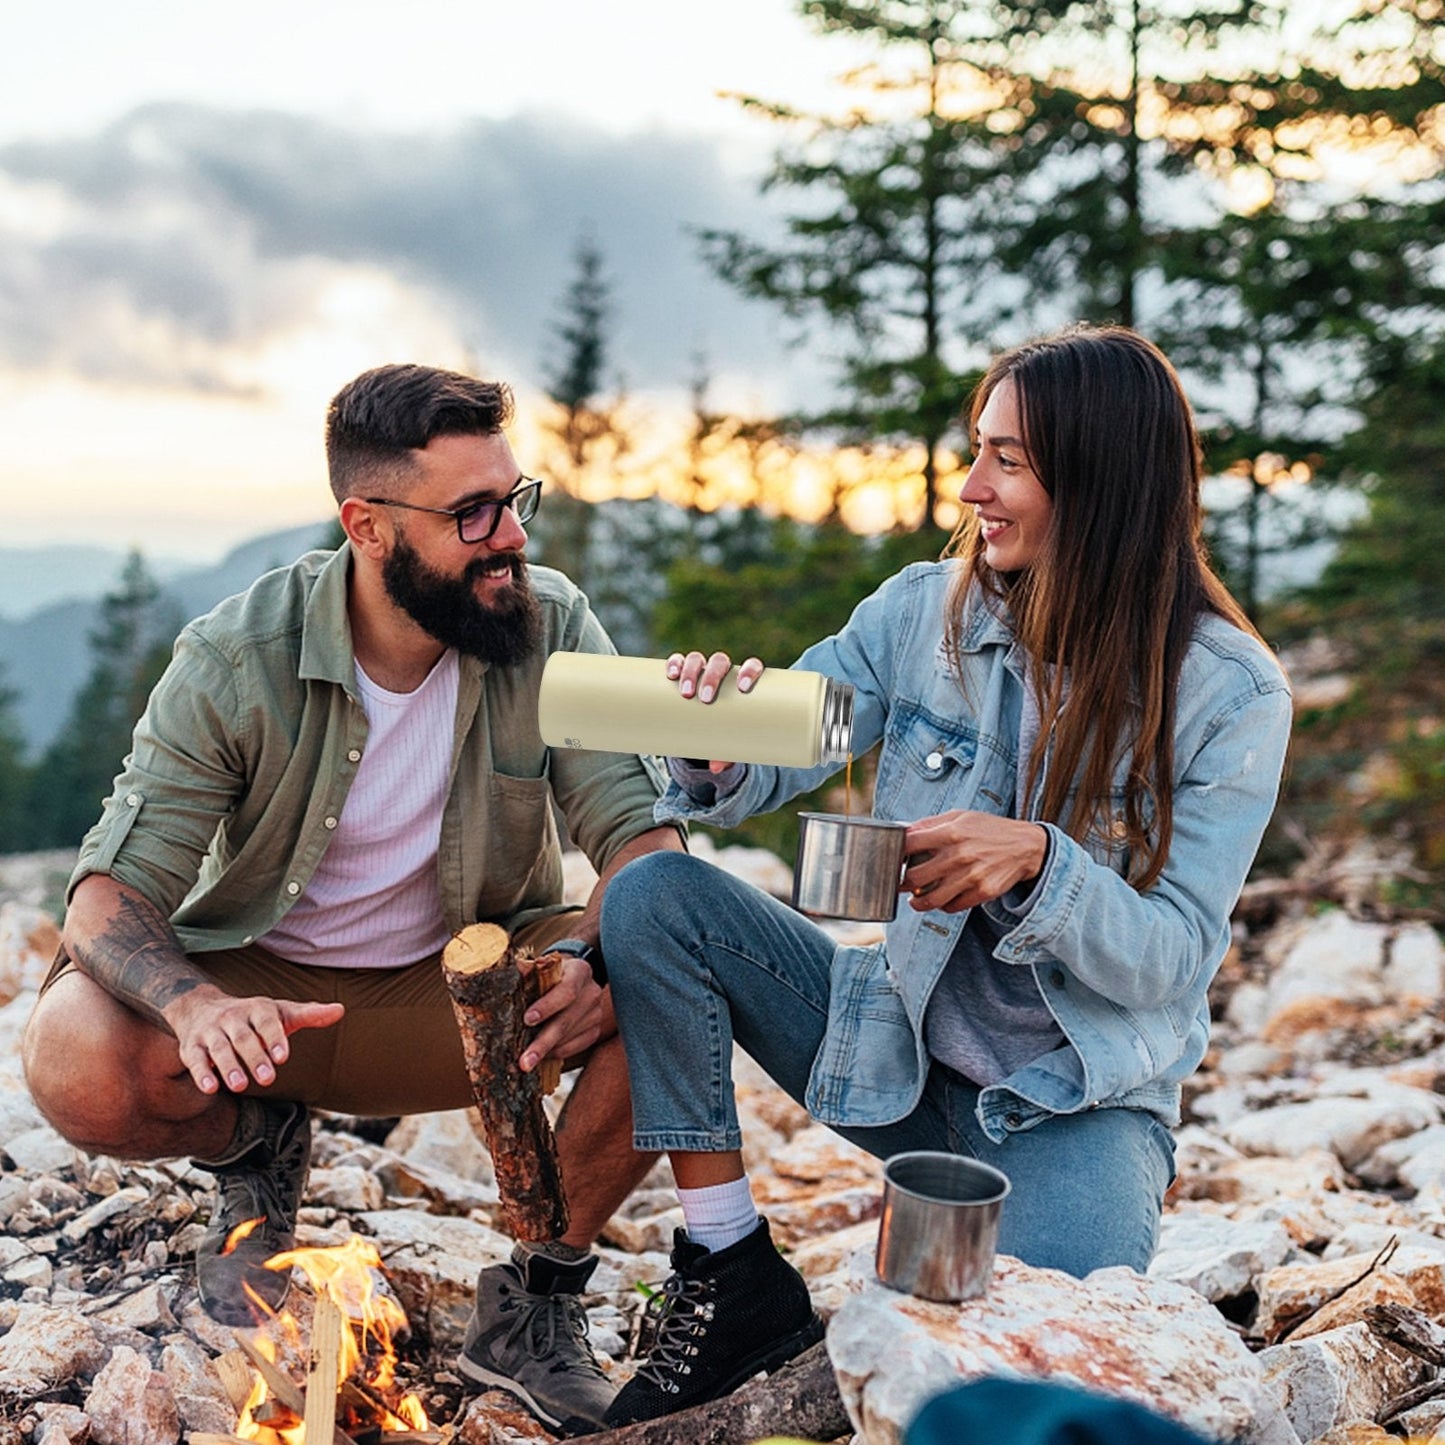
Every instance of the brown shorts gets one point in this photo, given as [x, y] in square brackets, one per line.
[397, 1050]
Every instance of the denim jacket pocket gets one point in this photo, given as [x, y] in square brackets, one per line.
[868, 1070]
[922, 752]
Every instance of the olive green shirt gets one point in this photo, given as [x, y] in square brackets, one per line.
[241, 764]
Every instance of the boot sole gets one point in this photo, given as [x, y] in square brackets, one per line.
[773, 1357]
[480, 1375]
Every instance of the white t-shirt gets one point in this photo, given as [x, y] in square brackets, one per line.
[373, 901]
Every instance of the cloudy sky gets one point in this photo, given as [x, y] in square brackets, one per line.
[211, 217]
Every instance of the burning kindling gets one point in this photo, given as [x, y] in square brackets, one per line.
[342, 1339]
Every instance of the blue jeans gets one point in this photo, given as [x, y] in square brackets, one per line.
[699, 960]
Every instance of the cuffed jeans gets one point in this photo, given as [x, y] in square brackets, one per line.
[699, 960]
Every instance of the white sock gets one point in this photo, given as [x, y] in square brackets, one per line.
[719, 1215]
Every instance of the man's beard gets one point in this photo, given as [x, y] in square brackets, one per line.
[501, 633]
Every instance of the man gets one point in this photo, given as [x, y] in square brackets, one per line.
[339, 769]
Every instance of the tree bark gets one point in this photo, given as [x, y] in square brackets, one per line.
[801, 1399]
[492, 986]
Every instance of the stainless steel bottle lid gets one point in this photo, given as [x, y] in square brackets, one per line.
[837, 721]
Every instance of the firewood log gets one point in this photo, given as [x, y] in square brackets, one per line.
[800, 1400]
[490, 995]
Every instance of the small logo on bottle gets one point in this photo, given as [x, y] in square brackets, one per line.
[573, 742]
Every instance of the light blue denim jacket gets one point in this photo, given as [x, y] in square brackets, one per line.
[1126, 975]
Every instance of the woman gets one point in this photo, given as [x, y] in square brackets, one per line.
[1085, 736]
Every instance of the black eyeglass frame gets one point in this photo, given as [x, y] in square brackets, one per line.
[523, 500]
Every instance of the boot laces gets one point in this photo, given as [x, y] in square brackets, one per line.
[262, 1191]
[680, 1314]
[545, 1321]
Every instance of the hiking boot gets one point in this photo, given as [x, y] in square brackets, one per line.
[528, 1335]
[720, 1319]
[259, 1181]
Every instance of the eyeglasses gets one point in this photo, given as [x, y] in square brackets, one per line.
[478, 520]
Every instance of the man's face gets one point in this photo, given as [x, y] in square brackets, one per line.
[474, 596]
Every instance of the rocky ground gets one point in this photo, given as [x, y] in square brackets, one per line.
[1309, 1215]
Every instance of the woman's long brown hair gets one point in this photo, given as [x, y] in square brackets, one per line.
[1109, 605]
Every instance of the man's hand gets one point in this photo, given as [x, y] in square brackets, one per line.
[123, 942]
[960, 859]
[230, 1041]
[574, 1014]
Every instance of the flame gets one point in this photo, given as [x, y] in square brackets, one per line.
[348, 1275]
[240, 1232]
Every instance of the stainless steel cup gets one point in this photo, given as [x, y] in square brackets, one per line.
[848, 867]
[939, 1231]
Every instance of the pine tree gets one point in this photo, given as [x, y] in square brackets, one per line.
[584, 428]
[15, 824]
[1016, 164]
[129, 646]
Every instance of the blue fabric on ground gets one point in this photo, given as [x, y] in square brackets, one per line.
[1040, 1412]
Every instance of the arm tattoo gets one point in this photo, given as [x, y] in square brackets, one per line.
[138, 959]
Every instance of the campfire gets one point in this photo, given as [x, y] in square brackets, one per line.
[341, 1343]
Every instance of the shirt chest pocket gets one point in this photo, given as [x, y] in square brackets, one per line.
[928, 763]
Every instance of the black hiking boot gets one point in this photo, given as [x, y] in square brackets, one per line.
[528, 1335]
[259, 1181]
[720, 1319]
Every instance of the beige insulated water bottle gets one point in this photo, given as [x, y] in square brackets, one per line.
[630, 705]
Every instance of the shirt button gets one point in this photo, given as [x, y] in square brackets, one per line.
[355, 755]
[293, 888]
[248, 939]
[1013, 1120]
[934, 761]
[331, 822]
[1119, 829]
[132, 800]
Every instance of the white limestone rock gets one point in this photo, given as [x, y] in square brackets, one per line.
[28, 941]
[1351, 1128]
[147, 1309]
[103, 1211]
[1416, 968]
[132, 1404]
[40, 1150]
[447, 1141]
[348, 1188]
[1415, 1159]
[44, 1347]
[433, 1263]
[201, 1399]
[1336, 1378]
[1332, 956]
[1115, 1332]
[1216, 1256]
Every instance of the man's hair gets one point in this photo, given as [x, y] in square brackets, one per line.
[375, 422]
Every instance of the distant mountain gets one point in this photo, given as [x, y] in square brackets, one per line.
[36, 577]
[45, 655]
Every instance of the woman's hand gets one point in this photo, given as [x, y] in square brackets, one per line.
[701, 676]
[960, 859]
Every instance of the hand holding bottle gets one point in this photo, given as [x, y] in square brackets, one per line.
[701, 676]
[648, 705]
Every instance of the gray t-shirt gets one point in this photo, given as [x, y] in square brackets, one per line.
[987, 1019]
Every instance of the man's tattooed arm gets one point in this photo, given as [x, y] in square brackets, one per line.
[123, 942]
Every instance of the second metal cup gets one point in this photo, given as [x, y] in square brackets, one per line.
[939, 1230]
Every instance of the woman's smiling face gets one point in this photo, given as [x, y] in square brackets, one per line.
[1014, 510]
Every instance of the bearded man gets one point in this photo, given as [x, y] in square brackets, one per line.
[341, 768]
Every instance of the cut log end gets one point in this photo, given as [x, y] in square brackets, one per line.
[477, 948]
